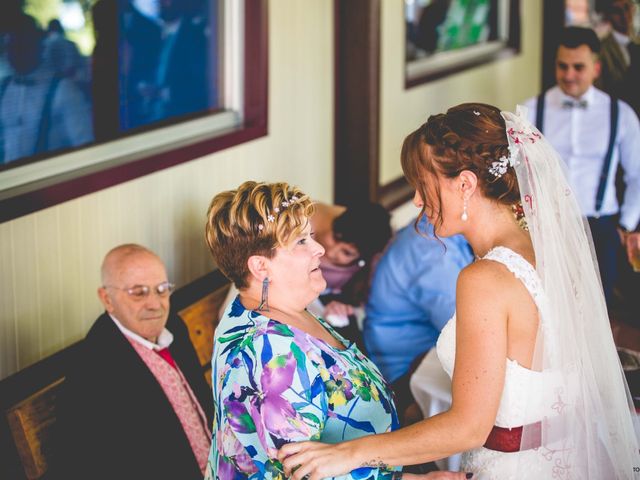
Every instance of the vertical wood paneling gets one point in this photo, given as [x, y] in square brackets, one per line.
[26, 284]
[94, 245]
[8, 358]
[47, 252]
[75, 285]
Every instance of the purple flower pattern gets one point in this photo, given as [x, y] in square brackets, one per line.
[274, 384]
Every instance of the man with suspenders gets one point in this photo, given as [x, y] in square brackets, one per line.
[39, 112]
[594, 133]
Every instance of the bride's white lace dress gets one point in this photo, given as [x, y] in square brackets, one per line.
[528, 397]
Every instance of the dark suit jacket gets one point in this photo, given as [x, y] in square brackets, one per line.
[616, 78]
[114, 419]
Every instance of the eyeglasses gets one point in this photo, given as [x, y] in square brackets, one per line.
[139, 292]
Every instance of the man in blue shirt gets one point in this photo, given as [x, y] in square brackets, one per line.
[411, 299]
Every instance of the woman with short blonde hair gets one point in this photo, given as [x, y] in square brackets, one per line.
[279, 373]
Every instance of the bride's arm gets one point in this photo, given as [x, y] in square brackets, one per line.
[481, 350]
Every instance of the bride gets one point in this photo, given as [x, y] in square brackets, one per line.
[537, 388]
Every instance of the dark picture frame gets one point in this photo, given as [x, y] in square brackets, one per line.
[26, 198]
[503, 42]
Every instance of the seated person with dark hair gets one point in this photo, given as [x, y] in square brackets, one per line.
[352, 238]
[135, 403]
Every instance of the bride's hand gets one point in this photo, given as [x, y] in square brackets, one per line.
[315, 461]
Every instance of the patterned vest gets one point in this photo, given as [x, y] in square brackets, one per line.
[182, 399]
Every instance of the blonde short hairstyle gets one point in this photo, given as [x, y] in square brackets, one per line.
[254, 219]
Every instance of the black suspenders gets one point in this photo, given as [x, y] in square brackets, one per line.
[613, 131]
[45, 118]
[540, 111]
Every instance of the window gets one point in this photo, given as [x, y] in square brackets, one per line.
[96, 92]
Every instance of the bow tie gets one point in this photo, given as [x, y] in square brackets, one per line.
[574, 104]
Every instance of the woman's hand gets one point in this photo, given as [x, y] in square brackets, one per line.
[337, 314]
[338, 308]
[316, 461]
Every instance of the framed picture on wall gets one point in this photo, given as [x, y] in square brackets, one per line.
[447, 36]
[97, 92]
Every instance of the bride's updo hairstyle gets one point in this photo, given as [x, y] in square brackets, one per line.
[470, 136]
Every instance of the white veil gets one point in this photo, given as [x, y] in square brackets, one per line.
[589, 428]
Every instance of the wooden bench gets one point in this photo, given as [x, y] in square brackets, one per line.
[28, 398]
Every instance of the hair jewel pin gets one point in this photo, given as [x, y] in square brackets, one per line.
[499, 168]
[271, 218]
[476, 113]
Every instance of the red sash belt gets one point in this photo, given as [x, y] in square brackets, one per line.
[510, 439]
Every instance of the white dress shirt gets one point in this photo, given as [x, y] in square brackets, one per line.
[164, 339]
[581, 137]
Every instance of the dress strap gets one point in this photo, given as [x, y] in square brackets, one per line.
[520, 267]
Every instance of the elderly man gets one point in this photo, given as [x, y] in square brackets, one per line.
[594, 133]
[135, 402]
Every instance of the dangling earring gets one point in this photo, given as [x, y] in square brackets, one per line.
[264, 301]
[465, 215]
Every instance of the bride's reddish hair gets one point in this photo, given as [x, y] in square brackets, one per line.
[470, 136]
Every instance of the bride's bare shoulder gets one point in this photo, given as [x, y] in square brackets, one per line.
[485, 278]
[484, 270]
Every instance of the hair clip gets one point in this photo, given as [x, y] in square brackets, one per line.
[260, 227]
[499, 168]
[476, 113]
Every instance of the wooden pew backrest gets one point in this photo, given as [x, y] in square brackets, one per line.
[31, 423]
[201, 318]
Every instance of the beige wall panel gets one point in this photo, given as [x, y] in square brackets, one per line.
[48, 252]
[76, 286]
[503, 83]
[166, 210]
[27, 310]
[8, 357]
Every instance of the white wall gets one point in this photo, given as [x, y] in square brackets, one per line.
[503, 83]
[49, 260]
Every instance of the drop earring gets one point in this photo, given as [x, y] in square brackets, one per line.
[465, 216]
[264, 301]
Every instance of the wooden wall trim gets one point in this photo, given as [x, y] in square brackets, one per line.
[357, 100]
[552, 25]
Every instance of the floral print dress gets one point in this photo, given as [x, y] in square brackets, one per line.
[274, 384]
